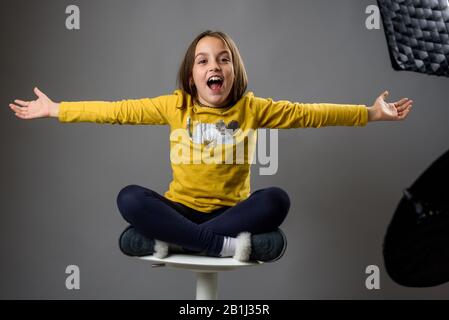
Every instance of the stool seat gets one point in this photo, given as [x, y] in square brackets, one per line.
[199, 263]
[206, 268]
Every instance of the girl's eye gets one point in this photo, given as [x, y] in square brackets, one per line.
[223, 59]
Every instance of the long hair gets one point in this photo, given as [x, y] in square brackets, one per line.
[185, 71]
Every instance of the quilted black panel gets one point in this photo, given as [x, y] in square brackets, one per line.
[415, 245]
[417, 34]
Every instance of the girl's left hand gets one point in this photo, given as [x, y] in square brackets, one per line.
[384, 111]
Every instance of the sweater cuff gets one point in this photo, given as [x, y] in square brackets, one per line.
[62, 112]
[364, 116]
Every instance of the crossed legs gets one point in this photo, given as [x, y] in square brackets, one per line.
[160, 218]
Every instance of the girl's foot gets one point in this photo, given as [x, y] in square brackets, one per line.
[265, 247]
[133, 243]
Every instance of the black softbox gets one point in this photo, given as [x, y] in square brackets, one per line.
[416, 245]
[417, 33]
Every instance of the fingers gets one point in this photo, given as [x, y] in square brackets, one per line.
[401, 102]
[404, 105]
[19, 112]
[382, 97]
[15, 108]
[22, 103]
[39, 93]
[403, 114]
[404, 111]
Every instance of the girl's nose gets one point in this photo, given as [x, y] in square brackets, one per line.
[214, 66]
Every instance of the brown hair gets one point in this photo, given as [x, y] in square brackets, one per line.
[185, 70]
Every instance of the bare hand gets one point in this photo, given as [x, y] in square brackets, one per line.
[384, 111]
[39, 108]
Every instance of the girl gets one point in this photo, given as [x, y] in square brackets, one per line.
[208, 208]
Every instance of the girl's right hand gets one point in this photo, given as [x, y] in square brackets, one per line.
[40, 108]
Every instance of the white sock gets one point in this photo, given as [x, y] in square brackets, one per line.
[243, 247]
[160, 249]
[228, 248]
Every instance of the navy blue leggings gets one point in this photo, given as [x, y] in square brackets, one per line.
[160, 218]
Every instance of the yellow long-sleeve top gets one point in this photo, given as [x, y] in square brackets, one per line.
[209, 168]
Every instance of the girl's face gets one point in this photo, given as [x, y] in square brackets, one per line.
[213, 72]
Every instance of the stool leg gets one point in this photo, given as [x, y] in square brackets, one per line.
[206, 286]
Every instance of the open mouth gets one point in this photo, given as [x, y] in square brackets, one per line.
[215, 82]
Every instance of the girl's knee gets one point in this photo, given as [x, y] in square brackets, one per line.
[128, 199]
[127, 193]
[280, 197]
[279, 201]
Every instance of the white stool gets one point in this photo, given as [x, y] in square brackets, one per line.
[206, 268]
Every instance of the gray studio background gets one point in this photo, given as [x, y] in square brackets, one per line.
[59, 182]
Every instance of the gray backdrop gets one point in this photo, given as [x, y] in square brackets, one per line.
[59, 182]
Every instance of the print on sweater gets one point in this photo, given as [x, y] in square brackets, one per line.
[211, 134]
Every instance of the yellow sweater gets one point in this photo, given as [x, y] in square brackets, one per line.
[205, 177]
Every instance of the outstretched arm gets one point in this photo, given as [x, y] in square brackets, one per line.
[157, 110]
[384, 111]
[42, 107]
[285, 114]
